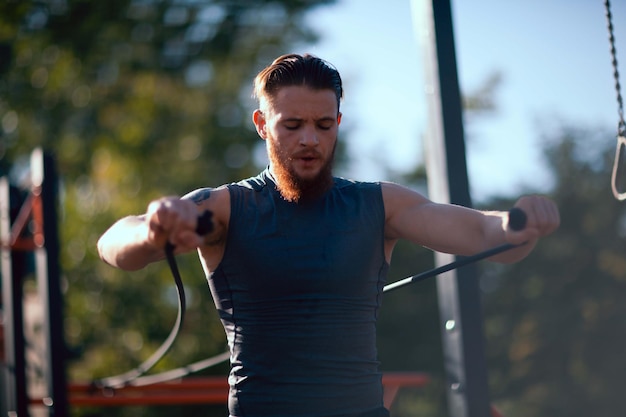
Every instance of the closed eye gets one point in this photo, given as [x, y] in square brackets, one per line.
[292, 125]
[326, 123]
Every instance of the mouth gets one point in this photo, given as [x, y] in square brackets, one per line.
[306, 157]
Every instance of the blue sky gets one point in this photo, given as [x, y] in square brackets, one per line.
[553, 56]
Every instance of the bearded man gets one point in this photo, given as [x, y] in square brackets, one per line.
[297, 258]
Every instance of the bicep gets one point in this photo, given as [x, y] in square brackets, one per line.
[440, 227]
[217, 201]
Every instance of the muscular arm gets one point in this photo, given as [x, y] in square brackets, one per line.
[135, 241]
[464, 231]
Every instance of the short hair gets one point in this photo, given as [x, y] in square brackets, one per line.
[295, 70]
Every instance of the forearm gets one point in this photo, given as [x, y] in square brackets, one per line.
[125, 245]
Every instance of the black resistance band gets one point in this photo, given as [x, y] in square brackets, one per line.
[205, 226]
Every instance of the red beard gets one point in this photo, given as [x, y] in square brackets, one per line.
[294, 188]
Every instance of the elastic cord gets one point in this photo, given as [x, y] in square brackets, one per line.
[126, 378]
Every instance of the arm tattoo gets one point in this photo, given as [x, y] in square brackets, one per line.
[199, 196]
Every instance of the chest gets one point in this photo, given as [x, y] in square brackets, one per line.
[333, 248]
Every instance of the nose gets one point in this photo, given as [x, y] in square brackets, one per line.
[309, 137]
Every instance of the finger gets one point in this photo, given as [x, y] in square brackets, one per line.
[184, 217]
[158, 215]
[545, 215]
[554, 218]
[166, 217]
[186, 240]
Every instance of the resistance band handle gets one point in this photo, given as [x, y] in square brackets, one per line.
[517, 219]
[205, 223]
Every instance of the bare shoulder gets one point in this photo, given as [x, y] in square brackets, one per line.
[397, 197]
[404, 211]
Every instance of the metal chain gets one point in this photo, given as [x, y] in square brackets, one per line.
[621, 127]
[620, 152]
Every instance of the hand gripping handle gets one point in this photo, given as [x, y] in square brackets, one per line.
[517, 219]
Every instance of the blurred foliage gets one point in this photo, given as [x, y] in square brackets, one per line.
[555, 323]
[483, 100]
[140, 98]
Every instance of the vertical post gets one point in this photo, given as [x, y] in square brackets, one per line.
[458, 291]
[14, 372]
[45, 181]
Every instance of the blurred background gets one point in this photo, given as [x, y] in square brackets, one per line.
[143, 98]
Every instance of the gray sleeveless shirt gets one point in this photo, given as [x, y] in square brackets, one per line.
[298, 292]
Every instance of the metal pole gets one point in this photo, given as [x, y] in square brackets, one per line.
[458, 292]
[45, 179]
[15, 402]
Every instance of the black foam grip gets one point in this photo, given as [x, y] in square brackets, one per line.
[205, 223]
[517, 219]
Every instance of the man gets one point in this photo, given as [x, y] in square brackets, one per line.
[297, 258]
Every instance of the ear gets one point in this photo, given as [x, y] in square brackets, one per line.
[339, 118]
[259, 122]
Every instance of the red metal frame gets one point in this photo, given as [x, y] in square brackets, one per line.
[198, 390]
[205, 390]
[31, 206]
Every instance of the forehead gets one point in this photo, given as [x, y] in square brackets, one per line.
[302, 100]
